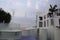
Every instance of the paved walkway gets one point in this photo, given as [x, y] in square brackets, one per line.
[27, 38]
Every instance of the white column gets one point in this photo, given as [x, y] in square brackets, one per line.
[43, 34]
[57, 34]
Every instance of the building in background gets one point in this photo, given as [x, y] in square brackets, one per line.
[44, 20]
[49, 25]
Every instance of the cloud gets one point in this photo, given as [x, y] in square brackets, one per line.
[28, 3]
[37, 5]
[19, 14]
[47, 0]
[18, 4]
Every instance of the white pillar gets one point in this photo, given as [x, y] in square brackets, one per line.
[43, 34]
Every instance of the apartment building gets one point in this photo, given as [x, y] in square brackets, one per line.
[49, 25]
[48, 20]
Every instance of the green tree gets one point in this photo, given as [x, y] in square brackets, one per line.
[8, 18]
[4, 16]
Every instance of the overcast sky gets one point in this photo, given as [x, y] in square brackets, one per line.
[27, 8]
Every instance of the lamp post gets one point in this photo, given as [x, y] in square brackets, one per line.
[37, 28]
[13, 13]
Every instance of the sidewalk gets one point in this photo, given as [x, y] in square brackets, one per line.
[27, 38]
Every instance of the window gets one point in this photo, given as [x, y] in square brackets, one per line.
[59, 21]
[52, 22]
[44, 23]
[47, 23]
[40, 24]
[40, 18]
[45, 17]
[58, 14]
[50, 15]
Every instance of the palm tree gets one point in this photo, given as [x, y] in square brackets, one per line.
[51, 10]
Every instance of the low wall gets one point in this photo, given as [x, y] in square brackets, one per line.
[47, 33]
[31, 32]
[57, 34]
[42, 34]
